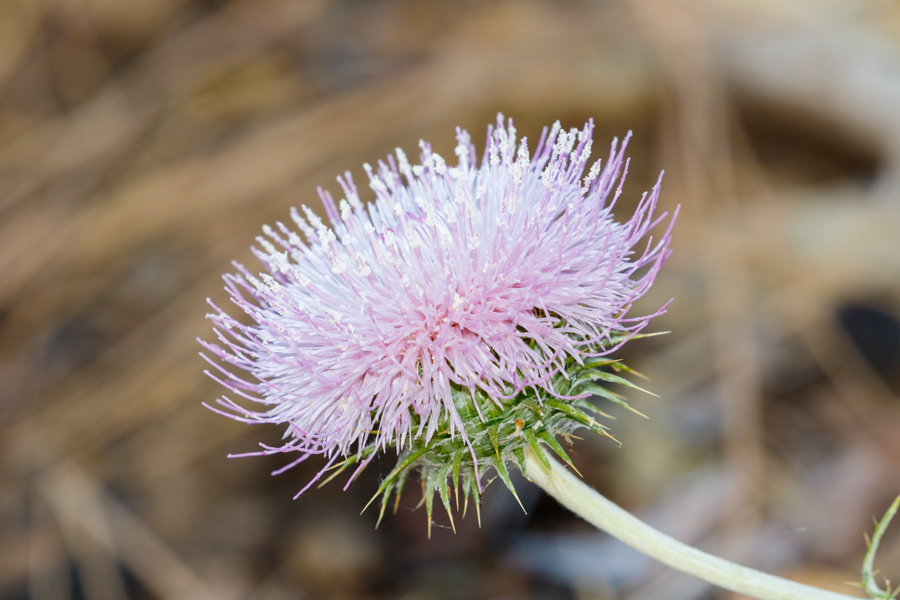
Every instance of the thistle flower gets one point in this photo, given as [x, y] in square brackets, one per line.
[460, 318]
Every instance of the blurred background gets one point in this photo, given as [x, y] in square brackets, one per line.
[144, 144]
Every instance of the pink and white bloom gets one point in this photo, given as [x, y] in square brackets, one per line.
[487, 276]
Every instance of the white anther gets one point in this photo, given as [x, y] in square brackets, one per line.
[346, 211]
[592, 174]
[585, 152]
[313, 218]
[440, 165]
[402, 161]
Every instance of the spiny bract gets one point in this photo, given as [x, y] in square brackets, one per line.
[460, 318]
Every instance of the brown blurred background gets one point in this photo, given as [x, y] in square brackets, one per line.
[144, 143]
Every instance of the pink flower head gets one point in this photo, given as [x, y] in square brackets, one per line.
[490, 278]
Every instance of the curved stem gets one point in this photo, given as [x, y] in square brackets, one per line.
[594, 508]
[868, 570]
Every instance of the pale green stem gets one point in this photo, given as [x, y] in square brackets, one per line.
[868, 571]
[591, 506]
